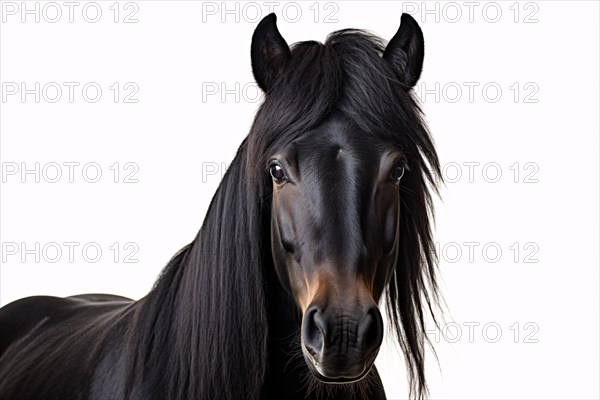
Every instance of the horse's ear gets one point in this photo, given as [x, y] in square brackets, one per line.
[406, 50]
[269, 51]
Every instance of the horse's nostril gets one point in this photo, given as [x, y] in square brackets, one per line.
[313, 331]
[373, 333]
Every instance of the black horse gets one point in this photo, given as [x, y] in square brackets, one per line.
[326, 207]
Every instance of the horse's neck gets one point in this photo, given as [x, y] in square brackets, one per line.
[286, 365]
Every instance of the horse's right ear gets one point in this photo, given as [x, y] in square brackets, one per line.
[269, 51]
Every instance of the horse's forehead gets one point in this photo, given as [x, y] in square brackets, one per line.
[337, 144]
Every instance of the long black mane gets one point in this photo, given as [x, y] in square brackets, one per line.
[203, 329]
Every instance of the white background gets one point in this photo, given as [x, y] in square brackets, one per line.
[533, 308]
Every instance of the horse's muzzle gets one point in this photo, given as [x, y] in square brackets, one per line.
[340, 346]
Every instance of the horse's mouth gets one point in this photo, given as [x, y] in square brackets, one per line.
[342, 379]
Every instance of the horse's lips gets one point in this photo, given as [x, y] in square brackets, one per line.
[314, 369]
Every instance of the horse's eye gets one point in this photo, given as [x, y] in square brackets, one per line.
[277, 173]
[398, 172]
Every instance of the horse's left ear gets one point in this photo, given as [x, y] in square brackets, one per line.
[269, 51]
[406, 50]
